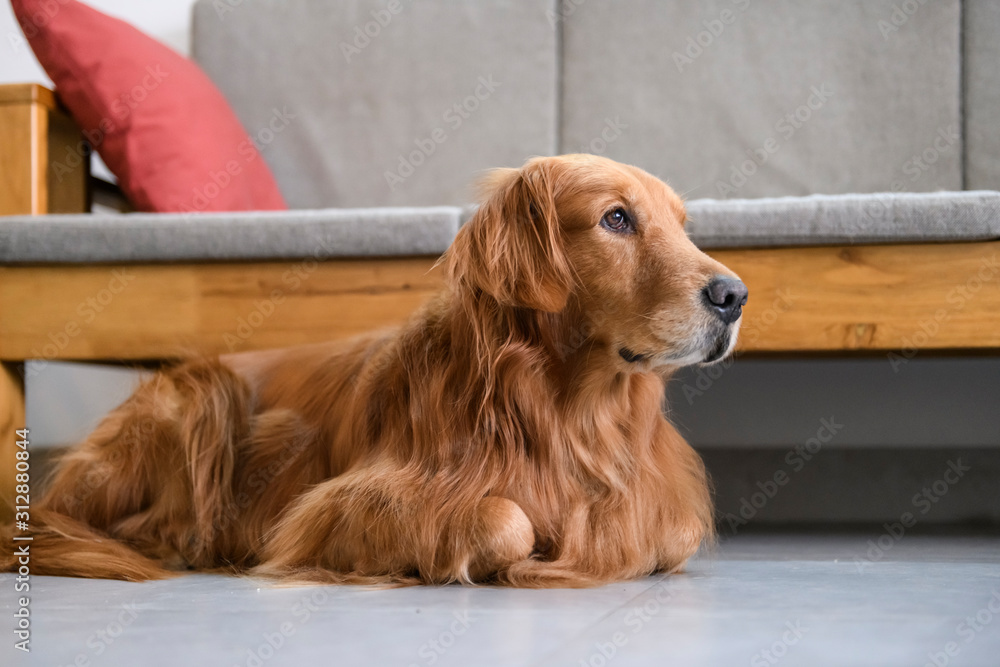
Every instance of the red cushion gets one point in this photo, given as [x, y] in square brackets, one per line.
[157, 120]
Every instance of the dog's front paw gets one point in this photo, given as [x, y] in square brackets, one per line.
[501, 535]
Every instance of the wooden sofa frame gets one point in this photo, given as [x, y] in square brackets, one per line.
[898, 300]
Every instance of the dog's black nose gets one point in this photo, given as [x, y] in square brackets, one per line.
[726, 297]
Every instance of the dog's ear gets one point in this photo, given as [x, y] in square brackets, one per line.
[512, 247]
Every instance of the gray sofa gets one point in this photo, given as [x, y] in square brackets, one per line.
[783, 123]
[828, 123]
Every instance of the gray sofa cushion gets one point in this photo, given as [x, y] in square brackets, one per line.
[692, 90]
[320, 234]
[341, 93]
[162, 237]
[840, 219]
[982, 93]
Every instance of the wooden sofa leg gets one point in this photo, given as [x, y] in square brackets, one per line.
[11, 420]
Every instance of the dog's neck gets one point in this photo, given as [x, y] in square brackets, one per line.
[559, 350]
[542, 375]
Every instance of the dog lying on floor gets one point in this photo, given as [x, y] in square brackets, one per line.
[512, 432]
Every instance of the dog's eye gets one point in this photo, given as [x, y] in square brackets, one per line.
[619, 221]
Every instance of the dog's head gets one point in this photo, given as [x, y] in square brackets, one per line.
[607, 240]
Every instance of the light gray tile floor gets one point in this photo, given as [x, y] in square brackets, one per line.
[788, 599]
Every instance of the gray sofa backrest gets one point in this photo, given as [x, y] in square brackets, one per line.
[384, 102]
[404, 102]
[981, 78]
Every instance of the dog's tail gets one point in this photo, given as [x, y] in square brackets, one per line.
[60, 545]
[153, 485]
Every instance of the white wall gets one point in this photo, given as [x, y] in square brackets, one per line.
[66, 400]
[166, 20]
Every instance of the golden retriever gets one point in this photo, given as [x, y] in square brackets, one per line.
[512, 432]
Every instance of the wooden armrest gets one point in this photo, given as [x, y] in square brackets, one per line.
[44, 160]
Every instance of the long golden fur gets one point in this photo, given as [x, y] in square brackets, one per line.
[512, 432]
